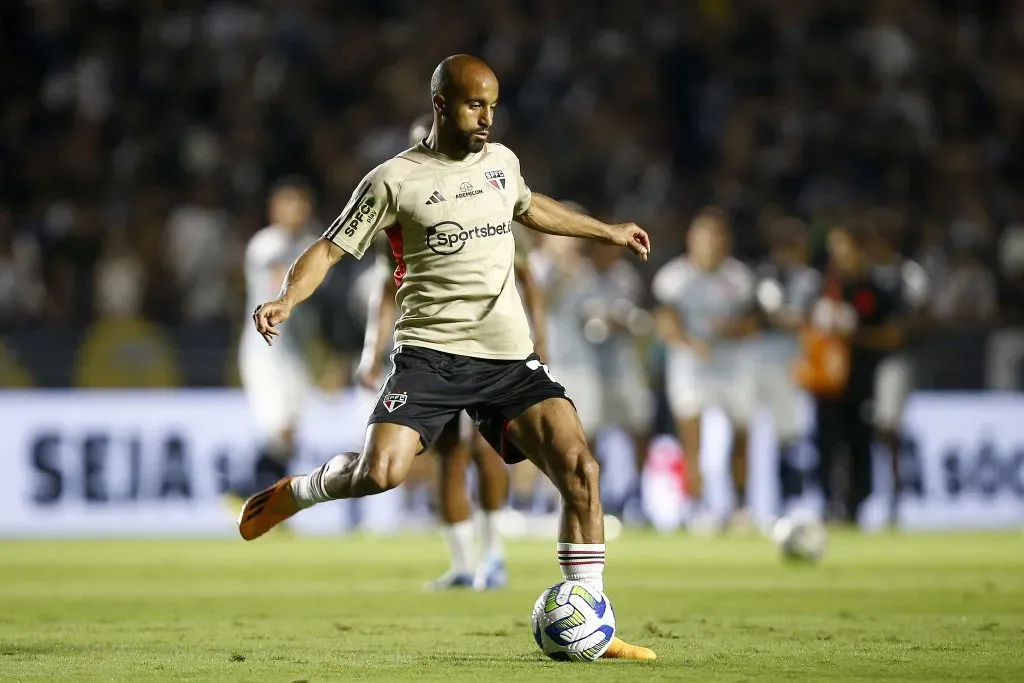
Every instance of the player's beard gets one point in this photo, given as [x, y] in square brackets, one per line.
[473, 145]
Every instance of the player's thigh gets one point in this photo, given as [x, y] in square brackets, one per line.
[736, 395]
[551, 435]
[448, 445]
[892, 386]
[686, 393]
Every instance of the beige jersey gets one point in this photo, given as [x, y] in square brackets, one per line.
[449, 224]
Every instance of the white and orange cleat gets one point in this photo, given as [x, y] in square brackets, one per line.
[267, 509]
[620, 649]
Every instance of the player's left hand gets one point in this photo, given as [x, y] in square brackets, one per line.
[631, 236]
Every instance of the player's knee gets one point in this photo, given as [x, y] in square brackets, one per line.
[382, 471]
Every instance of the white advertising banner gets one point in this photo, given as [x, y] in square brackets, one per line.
[962, 464]
[155, 463]
[119, 463]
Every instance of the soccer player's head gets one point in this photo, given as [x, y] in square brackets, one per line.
[291, 203]
[464, 94]
[708, 240]
[845, 248]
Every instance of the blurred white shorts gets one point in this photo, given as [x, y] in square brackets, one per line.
[275, 387]
[892, 387]
[622, 399]
[779, 393]
[694, 386]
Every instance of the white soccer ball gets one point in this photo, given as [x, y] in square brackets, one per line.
[800, 536]
[572, 621]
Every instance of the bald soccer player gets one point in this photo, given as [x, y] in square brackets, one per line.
[459, 444]
[462, 340]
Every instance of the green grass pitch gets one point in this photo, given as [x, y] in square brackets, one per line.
[880, 608]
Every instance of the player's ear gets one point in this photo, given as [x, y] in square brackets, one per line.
[439, 103]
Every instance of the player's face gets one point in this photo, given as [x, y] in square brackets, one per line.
[469, 114]
[844, 251]
[707, 243]
[291, 208]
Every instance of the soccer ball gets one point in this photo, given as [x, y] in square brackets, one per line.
[573, 622]
[800, 536]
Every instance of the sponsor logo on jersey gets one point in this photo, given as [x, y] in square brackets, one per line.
[496, 179]
[448, 237]
[395, 401]
[435, 198]
[466, 190]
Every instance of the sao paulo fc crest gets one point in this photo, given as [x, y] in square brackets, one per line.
[496, 179]
[395, 401]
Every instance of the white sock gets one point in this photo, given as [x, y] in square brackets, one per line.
[583, 562]
[490, 536]
[309, 488]
[460, 545]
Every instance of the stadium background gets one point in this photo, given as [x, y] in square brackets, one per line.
[138, 138]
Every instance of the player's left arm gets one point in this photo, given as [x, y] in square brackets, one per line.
[534, 300]
[546, 215]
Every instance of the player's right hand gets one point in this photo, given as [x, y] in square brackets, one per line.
[368, 374]
[268, 316]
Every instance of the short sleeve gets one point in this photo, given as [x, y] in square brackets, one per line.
[370, 210]
[670, 282]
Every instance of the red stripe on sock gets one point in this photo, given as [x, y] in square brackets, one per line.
[578, 564]
[580, 552]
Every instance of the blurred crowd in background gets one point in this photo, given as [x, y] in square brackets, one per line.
[138, 138]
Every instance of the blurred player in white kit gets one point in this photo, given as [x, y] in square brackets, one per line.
[787, 289]
[275, 379]
[593, 320]
[706, 315]
[459, 443]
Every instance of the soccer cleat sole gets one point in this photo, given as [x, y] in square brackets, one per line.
[265, 510]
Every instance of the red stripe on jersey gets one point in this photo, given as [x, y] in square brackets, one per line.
[394, 234]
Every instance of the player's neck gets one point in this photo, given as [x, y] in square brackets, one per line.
[446, 148]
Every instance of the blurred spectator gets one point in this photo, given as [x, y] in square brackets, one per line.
[21, 292]
[197, 245]
[167, 119]
[968, 294]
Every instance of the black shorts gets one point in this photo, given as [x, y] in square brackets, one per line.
[428, 388]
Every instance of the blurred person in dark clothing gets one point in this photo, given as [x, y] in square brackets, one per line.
[905, 283]
[862, 314]
[787, 287]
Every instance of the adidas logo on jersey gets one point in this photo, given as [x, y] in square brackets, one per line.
[435, 198]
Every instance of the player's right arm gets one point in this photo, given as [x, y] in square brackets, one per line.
[369, 211]
[379, 324]
[667, 287]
